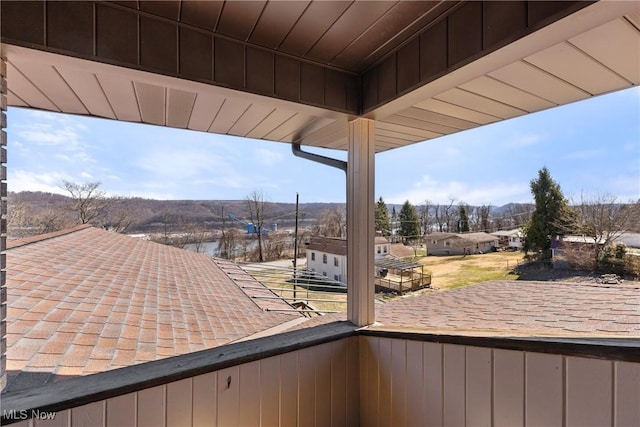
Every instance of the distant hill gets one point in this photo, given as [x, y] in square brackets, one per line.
[156, 216]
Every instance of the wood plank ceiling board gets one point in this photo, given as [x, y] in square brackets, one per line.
[285, 131]
[238, 18]
[404, 18]
[229, 113]
[253, 116]
[270, 123]
[202, 14]
[351, 25]
[381, 133]
[534, 80]
[86, 86]
[577, 68]
[317, 124]
[401, 119]
[26, 91]
[419, 133]
[121, 96]
[169, 9]
[152, 102]
[479, 103]
[179, 107]
[494, 89]
[461, 113]
[634, 18]
[313, 23]
[54, 87]
[276, 21]
[15, 100]
[603, 44]
[330, 132]
[205, 109]
[437, 118]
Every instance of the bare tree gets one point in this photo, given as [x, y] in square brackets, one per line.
[603, 219]
[228, 243]
[88, 200]
[256, 205]
[117, 217]
[426, 218]
[330, 223]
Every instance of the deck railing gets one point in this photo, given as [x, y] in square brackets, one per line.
[336, 375]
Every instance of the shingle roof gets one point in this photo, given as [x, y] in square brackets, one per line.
[522, 308]
[87, 300]
[330, 245]
[514, 308]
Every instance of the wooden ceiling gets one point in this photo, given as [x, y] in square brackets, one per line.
[350, 35]
[590, 52]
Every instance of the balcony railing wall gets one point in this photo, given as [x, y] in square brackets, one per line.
[382, 378]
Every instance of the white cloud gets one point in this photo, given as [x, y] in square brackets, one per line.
[20, 180]
[49, 130]
[474, 194]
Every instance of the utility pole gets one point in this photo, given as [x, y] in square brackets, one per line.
[295, 251]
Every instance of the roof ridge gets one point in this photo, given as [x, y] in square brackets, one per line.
[12, 244]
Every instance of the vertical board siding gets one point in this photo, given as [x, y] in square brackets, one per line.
[384, 382]
[453, 366]
[323, 385]
[589, 392]
[62, 419]
[151, 407]
[306, 387]
[121, 411]
[205, 400]
[544, 388]
[228, 385]
[180, 403]
[91, 415]
[353, 381]
[374, 381]
[399, 382]
[508, 388]
[478, 389]
[249, 394]
[270, 391]
[289, 389]
[627, 394]
[339, 383]
[433, 376]
[414, 380]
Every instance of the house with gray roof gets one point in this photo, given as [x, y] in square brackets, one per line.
[460, 243]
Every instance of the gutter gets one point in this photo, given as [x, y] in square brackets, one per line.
[328, 161]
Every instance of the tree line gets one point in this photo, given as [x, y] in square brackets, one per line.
[412, 222]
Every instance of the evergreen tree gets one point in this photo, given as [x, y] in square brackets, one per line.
[463, 219]
[383, 223]
[409, 222]
[551, 216]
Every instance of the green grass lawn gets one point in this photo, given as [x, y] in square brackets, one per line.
[470, 274]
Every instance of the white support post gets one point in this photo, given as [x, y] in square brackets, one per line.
[360, 222]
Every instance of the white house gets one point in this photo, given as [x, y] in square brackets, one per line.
[509, 238]
[328, 255]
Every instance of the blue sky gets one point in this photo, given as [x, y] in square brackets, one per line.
[591, 147]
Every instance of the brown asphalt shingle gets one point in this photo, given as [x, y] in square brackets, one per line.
[514, 308]
[87, 300]
[522, 308]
